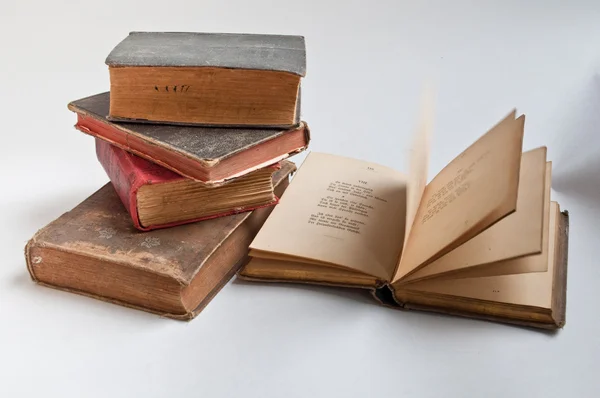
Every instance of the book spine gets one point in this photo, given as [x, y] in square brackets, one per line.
[123, 176]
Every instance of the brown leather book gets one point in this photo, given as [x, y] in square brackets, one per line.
[94, 250]
[218, 79]
[482, 239]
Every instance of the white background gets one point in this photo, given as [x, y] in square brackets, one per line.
[366, 63]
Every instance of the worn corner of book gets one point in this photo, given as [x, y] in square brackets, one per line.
[304, 126]
[293, 168]
[188, 316]
[180, 278]
[30, 261]
[210, 162]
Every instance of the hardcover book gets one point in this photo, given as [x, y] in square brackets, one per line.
[207, 78]
[156, 197]
[94, 250]
[206, 154]
[482, 239]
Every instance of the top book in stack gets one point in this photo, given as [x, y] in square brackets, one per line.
[212, 79]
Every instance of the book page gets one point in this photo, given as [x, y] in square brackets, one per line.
[521, 265]
[474, 191]
[419, 162]
[339, 211]
[533, 289]
[517, 235]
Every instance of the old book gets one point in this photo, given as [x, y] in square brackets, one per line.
[156, 197]
[205, 154]
[207, 78]
[94, 250]
[482, 239]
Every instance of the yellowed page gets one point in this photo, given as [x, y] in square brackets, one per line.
[533, 289]
[419, 161]
[521, 265]
[339, 211]
[477, 189]
[517, 235]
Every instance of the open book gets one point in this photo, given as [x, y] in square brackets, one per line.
[482, 239]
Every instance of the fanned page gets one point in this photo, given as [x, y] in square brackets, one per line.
[520, 265]
[338, 212]
[517, 235]
[531, 289]
[477, 189]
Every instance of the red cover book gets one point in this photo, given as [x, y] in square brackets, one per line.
[128, 173]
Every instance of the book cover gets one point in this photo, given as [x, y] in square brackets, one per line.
[281, 53]
[209, 155]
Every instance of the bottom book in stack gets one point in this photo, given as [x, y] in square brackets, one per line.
[95, 250]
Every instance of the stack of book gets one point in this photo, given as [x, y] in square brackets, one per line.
[193, 136]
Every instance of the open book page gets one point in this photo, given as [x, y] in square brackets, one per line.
[419, 162]
[474, 191]
[532, 289]
[517, 235]
[339, 211]
[521, 265]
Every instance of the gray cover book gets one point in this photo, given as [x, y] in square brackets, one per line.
[282, 53]
[205, 147]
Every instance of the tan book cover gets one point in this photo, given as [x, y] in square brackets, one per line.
[95, 250]
[481, 239]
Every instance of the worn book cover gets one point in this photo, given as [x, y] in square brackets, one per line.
[209, 155]
[94, 250]
[482, 239]
[156, 197]
[219, 79]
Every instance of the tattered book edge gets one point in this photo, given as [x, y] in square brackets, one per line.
[232, 212]
[561, 278]
[206, 162]
[181, 317]
[208, 183]
[125, 120]
[33, 242]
